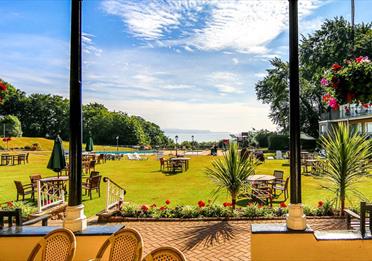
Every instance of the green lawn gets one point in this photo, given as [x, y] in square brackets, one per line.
[145, 184]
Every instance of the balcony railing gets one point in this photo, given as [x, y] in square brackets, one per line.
[345, 113]
[114, 194]
[49, 195]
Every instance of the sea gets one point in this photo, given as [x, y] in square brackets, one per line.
[199, 135]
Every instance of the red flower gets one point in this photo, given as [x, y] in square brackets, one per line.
[359, 59]
[326, 97]
[283, 205]
[201, 203]
[144, 208]
[366, 105]
[336, 67]
[3, 87]
[163, 208]
[320, 204]
[167, 202]
[259, 206]
[10, 204]
[227, 204]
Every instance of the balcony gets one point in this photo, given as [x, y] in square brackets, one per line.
[355, 111]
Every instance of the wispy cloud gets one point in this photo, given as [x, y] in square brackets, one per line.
[240, 25]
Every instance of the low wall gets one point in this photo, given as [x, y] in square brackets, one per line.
[274, 242]
[17, 245]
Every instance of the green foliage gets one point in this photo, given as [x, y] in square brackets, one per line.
[262, 138]
[12, 126]
[278, 142]
[347, 161]
[231, 172]
[26, 207]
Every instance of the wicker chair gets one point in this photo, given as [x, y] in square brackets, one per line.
[165, 254]
[58, 245]
[126, 245]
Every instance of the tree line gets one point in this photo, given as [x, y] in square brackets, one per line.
[46, 115]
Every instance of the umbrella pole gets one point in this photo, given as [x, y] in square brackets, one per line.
[75, 219]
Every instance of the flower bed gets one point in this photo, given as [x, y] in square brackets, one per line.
[205, 212]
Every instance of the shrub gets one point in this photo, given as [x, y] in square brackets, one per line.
[12, 126]
[278, 142]
[26, 207]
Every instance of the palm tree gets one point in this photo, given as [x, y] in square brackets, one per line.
[231, 172]
[347, 160]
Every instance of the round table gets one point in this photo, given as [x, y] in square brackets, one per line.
[260, 178]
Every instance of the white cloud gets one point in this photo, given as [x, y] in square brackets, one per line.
[242, 25]
[235, 61]
[88, 45]
[226, 82]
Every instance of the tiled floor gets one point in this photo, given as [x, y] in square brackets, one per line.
[214, 240]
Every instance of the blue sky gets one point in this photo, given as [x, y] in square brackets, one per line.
[182, 64]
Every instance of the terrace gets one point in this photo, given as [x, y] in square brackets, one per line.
[297, 238]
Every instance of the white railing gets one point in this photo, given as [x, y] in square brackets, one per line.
[114, 194]
[49, 195]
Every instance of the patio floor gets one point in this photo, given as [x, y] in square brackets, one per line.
[213, 240]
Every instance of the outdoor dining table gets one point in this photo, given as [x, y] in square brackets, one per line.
[7, 158]
[184, 161]
[260, 178]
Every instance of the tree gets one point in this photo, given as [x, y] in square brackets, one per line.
[347, 160]
[12, 126]
[330, 44]
[231, 172]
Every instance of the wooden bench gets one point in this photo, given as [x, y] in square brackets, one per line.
[362, 221]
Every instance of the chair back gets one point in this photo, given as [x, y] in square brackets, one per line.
[278, 174]
[19, 186]
[126, 245]
[165, 253]
[94, 174]
[95, 182]
[35, 178]
[365, 212]
[58, 245]
[92, 164]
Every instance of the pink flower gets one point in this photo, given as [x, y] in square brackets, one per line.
[201, 203]
[324, 82]
[167, 202]
[333, 104]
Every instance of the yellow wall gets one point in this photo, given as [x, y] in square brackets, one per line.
[18, 248]
[304, 247]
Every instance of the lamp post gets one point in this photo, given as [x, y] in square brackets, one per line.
[192, 145]
[117, 143]
[176, 144]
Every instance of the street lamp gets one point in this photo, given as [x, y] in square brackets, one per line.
[117, 143]
[192, 145]
[176, 144]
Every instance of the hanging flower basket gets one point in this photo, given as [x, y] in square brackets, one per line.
[348, 83]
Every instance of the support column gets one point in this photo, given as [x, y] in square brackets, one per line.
[295, 219]
[75, 218]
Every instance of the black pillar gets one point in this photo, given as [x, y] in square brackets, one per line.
[75, 106]
[294, 106]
